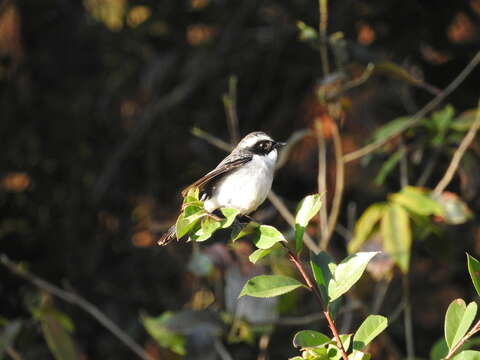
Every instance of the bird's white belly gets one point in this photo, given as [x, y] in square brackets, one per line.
[243, 189]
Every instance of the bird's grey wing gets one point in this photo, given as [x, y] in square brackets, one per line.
[231, 162]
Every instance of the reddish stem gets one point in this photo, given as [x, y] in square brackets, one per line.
[315, 291]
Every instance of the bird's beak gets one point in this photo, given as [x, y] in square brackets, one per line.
[279, 144]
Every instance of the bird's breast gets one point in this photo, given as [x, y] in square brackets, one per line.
[244, 188]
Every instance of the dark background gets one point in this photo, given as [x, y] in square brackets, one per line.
[96, 108]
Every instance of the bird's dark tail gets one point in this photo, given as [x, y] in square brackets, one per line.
[168, 236]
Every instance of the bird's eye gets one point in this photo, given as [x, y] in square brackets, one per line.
[264, 146]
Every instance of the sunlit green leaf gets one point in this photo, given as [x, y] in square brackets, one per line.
[468, 355]
[259, 254]
[310, 338]
[358, 355]
[269, 286]
[186, 223]
[369, 330]
[266, 236]
[307, 209]
[417, 200]
[347, 273]
[458, 320]
[474, 270]
[365, 226]
[333, 351]
[230, 215]
[397, 237]
[156, 327]
[307, 33]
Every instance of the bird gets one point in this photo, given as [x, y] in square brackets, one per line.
[241, 181]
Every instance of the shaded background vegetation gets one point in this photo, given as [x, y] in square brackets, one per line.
[98, 98]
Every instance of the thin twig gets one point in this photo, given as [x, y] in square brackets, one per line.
[76, 300]
[339, 186]
[473, 331]
[322, 180]
[230, 104]
[407, 318]
[403, 164]
[221, 350]
[357, 154]
[457, 156]
[311, 286]
[212, 140]
[428, 169]
[323, 9]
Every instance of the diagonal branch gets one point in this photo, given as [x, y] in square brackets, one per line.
[76, 300]
[457, 156]
[357, 154]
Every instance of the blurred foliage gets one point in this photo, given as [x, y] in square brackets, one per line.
[97, 99]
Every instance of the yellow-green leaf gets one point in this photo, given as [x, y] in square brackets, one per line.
[397, 237]
[365, 226]
[417, 201]
[265, 286]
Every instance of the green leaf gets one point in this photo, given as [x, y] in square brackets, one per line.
[388, 166]
[323, 268]
[439, 350]
[259, 254]
[369, 330]
[241, 230]
[310, 338]
[156, 327]
[307, 209]
[266, 236]
[57, 335]
[474, 270]
[334, 352]
[230, 215]
[458, 320]
[468, 355]
[186, 223]
[442, 119]
[307, 33]
[347, 273]
[299, 231]
[397, 237]
[394, 127]
[358, 355]
[265, 286]
[365, 226]
[417, 201]
[207, 227]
